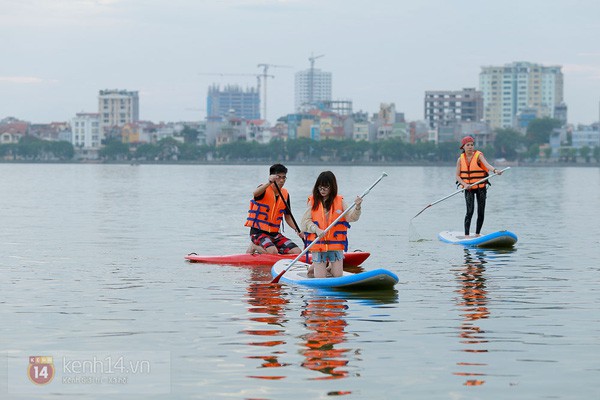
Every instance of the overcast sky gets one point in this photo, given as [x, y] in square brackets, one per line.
[57, 54]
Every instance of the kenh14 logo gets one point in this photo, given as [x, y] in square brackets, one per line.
[41, 369]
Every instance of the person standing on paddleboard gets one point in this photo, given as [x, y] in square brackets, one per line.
[471, 167]
[324, 207]
[268, 209]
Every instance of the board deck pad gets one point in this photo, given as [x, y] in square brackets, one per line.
[367, 280]
[498, 239]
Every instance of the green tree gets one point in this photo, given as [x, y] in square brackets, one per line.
[585, 152]
[539, 130]
[573, 154]
[424, 151]
[392, 150]
[114, 149]
[9, 149]
[533, 152]
[354, 150]
[168, 149]
[190, 135]
[448, 151]
[62, 150]
[237, 150]
[147, 151]
[276, 150]
[506, 143]
[563, 154]
[300, 149]
[30, 147]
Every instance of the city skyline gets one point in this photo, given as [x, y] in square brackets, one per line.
[60, 53]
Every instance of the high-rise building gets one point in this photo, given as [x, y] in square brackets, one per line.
[444, 107]
[311, 86]
[512, 88]
[117, 108]
[232, 101]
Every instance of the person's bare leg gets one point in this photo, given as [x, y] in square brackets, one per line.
[320, 270]
[337, 268]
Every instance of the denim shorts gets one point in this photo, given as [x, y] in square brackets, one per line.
[331, 256]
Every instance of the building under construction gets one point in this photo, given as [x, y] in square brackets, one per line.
[232, 101]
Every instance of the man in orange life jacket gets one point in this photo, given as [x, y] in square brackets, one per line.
[471, 167]
[267, 212]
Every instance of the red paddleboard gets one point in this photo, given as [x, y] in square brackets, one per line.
[351, 259]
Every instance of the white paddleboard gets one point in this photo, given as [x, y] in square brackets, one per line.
[367, 280]
[496, 239]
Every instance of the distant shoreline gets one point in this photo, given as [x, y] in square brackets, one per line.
[296, 163]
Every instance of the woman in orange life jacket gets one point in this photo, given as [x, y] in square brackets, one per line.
[266, 214]
[324, 207]
[471, 167]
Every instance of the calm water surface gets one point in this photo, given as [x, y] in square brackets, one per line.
[91, 260]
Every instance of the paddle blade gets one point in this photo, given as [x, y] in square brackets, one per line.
[278, 277]
[420, 212]
[284, 266]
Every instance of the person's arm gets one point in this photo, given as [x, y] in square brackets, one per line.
[308, 225]
[354, 214]
[488, 165]
[262, 188]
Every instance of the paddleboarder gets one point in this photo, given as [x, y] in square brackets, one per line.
[267, 211]
[324, 206]
[471, 167]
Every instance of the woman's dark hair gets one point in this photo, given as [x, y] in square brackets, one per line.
[326, 178]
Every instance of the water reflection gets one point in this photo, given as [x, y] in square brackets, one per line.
[473, 302]
[324, 314]
[325, 320]
[267, 307]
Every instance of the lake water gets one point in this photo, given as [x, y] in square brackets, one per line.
[91, 265]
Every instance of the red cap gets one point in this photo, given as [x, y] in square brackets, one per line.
[466, 140]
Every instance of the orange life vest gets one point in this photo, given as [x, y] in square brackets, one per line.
[474, 171]
[267, 213]
[336, 238]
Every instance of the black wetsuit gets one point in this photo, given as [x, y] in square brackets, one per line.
[470, 195]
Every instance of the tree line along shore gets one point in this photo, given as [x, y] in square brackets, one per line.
[508, 147]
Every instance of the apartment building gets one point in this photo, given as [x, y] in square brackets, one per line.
[513, 88]
[311, 87]
[117, 108]
[444, 107]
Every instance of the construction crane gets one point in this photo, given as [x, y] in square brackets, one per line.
[311, 77]
[265, 68]
[258, 77]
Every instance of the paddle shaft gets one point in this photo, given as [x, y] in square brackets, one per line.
[458, 191]
[287, 206]
[346, 211]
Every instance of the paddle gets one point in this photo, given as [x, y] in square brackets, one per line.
[287, 206]
[346, 211]
[291, 215]
[458, 191]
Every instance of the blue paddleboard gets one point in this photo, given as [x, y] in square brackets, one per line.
[492, 240]
[368, 280]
